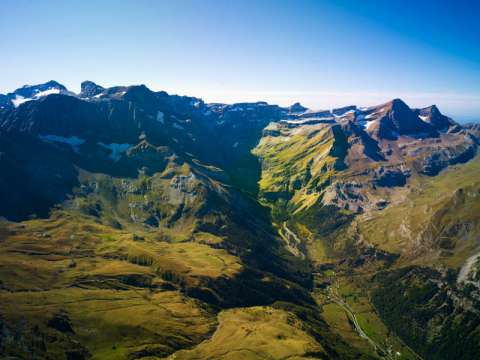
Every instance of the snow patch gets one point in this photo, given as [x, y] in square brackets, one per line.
[344, 113]
[73, 141]
[19, 100]
[160, 117]
[424, 118]
[195, 103]
[179, 127]
[46, 93]
[363, 120]
[116, 149]
[309, 119]
[368, 124]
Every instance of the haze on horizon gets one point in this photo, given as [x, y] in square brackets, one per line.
[322, 54]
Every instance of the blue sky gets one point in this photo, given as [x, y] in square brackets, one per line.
[321, 53]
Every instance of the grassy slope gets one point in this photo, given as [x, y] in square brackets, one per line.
[432, 221]
[433, 226]
[124, 286]
[437, 220]
[122, 296]
[257, 333]
[296, 162]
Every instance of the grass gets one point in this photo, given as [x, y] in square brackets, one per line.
[128, 289]
[338, 320]
[256, 333]
[355, 293]
[435, 221]
[111, 324]
[122, 295]
[300, 156]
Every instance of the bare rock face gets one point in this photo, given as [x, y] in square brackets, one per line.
[5, 102]
[442, 157]
[394, 119]
[90, 89]
[395, 176]
[434, 117]
[474, 129]
[183, 189]
[346, 196]
[61, 322]
[297, 108]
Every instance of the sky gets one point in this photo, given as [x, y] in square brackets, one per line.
[323, 54]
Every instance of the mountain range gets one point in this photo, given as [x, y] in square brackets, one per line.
[141, 225]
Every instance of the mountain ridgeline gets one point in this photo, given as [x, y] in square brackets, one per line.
[142, 225]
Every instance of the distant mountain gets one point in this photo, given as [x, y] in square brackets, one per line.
[32, 92]
[140, 224]
[90, 89]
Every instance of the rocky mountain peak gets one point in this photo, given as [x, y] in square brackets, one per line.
[297, 108]
[35, 92]
[29, 91]
[398, 104]
[397, 118]
[435, 118]
[90, 89]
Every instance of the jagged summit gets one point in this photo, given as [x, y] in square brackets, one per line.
[297, 108]
[90, 89]
[393, 119]
[436, 119]
[32, 92]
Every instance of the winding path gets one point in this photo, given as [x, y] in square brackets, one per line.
[350, 313]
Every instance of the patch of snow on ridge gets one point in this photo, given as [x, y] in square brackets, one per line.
[73, 141]
[195, 103]
[344, 113]
[46, 93]
[363, 120]
[368, 124]
[308, 119]
[179, 127]
[116, 149]
[19, 100]
[424, 118]
[160, 117]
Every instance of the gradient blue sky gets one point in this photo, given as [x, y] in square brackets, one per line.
[321, 53]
